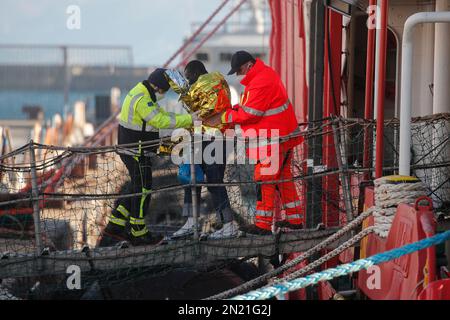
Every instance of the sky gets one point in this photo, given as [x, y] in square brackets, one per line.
[153, 28]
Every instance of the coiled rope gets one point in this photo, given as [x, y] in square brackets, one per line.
[388, 195]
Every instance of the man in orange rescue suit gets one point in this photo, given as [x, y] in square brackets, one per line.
[266, 113]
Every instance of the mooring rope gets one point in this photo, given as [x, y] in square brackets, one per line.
[310, 267]
[356, 266]
[265, 277]
[388, 196]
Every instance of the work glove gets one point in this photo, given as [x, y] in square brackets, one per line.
[215, 120]
[195, 116]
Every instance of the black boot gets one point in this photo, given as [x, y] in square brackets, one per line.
[146, 240]
[287, 224]
[113, 234]
[141, 236]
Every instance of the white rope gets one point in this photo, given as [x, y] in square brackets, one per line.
[387, 197]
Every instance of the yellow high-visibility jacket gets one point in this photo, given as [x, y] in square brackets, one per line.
[141, 117]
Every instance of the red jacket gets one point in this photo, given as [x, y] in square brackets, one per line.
[265, 109]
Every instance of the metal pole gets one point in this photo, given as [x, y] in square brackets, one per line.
[368, 110]
[343, 172]
[381, 89]
[35, 194]
[315, 111]
[377, 54]
[67, 80]
[441, 103]
[441, 96]
[406, 83]
[194, 188]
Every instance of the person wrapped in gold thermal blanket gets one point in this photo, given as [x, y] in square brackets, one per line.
[208, 94]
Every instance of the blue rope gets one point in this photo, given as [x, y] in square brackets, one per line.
[342, 270]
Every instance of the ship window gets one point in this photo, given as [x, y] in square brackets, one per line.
[202, 56]
[225, 57]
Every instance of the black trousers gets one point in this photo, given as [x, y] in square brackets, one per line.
[214, 174]
[140, 172]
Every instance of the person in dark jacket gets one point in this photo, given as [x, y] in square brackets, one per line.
[225, 224]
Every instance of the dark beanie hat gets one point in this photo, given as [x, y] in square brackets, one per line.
[239, 59]
[158, 78]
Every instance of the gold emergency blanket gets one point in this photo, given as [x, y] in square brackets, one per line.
[177, 82]
[210, 94]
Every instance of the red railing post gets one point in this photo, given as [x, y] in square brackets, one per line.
[368, 109]
[381, 88]
[332, 104]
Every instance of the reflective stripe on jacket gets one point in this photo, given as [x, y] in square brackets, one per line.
[141, 117]
[265, 110]
[142, 113]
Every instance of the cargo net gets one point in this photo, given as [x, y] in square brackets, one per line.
[56, 202]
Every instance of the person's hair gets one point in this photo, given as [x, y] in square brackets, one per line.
[194, 70]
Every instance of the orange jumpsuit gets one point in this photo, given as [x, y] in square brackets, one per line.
[268, 119]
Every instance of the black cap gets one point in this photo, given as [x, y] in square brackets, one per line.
[194, 70]
[238, 60]
[158, 78]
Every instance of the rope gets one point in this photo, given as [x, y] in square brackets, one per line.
[350, 243]
[387, 197]
[362, 264]
[265, 277]
[96, 148]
